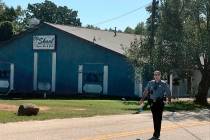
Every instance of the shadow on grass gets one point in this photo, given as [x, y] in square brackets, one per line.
[184, 109]
[70, 96]
[185, 106]
[187, 110]
[201, 115]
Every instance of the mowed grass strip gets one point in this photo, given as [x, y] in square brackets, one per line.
[59, 109]
[54, 109]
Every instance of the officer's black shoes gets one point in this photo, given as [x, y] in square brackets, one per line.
[154, 138]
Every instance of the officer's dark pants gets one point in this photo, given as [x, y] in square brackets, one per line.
[157, 112]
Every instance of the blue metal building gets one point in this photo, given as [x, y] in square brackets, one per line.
[66, 60]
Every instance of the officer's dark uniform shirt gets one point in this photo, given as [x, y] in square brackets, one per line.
[158, 89]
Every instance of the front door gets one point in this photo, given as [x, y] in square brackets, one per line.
[44, 71]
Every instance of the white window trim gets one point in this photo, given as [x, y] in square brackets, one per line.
[105, 80]
[35, 71]
[53, 71]
[80, 74]
[12, 70]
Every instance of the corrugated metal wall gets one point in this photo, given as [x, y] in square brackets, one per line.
[71, 52]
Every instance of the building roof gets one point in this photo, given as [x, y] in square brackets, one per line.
[106, 39]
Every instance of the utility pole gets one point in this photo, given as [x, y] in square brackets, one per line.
[152, 33]
[152, 22]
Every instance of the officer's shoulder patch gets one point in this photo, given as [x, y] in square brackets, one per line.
[152, 81]
[163, 81]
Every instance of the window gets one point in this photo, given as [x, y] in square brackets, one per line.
[4, 74]
[93, 77]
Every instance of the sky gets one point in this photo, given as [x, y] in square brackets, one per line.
[101, 13]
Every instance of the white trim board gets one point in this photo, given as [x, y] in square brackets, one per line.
[105, 80]
[35, 70]
[53, 71]
[12, 70]
[80, 72]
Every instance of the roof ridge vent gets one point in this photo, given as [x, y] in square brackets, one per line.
[115, 31]
[33, 22]
[94, 39]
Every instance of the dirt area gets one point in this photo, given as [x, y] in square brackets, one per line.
[8, 107]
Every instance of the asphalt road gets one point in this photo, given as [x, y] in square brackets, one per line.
[175, 126]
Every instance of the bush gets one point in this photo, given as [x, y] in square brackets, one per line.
[6, 30]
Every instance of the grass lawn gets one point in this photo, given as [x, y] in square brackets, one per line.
[53, 108]
[67, 109]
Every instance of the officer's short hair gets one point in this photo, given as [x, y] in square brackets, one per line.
[157, 72]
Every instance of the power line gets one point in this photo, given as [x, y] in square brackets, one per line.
[120, 16]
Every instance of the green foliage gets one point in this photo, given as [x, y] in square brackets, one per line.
[182, 34]
[169, 36]
[129, 30]
[137, 53]
[13, 15]
[1, 8]
[140, 29]
[184, 105]
[92, 27]
[196, 42]
[49, 12]
[9, 14]
[6, 30]
[170, 27]
[156, 18]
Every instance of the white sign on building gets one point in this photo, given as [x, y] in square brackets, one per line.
[44, 42]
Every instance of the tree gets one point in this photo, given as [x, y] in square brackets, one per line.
[140, 29]
[50, 12]
[169, 36]
[196, 40]
[141, 52]
[6, 30]
[181, 37]
[92, 27]
[129, 30]
[1, 8]
[19, 24]
[152, 24]
[184, 36]
[10, 15]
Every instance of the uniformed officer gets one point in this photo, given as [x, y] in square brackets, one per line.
[156, 91]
